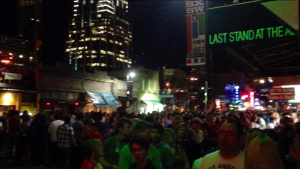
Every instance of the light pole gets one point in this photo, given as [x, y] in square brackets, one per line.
[129, 87]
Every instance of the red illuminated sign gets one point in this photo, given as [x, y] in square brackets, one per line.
[281, 94]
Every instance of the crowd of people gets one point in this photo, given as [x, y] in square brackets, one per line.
[120, 140]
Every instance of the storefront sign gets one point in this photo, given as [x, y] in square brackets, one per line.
[12, 76]
[249, 35]
[277, 94]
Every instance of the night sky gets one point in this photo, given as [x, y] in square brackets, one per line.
[159, 31]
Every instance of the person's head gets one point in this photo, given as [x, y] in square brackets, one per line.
[230, 136]
[223, 120]
[162, 120]
[139, 147]
[206, 132]
[142, 128]
[244, 123]
[180, 131]
[93, 127]
[259, 115]
[169, 136]
[176, 120]
[157, 132]
[272, 119]
[196, 122]
[253, 118]
[262, 147]
[169, 116]
[25, 113]
[81, 157]
[123, 126]
[158, 119]
[210, 117]
[67, 119]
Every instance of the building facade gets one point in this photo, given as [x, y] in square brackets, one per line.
[142, 90]
[100, 35]
[29, 23]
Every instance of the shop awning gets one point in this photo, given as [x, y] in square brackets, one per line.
[152, 102]
[104, 99]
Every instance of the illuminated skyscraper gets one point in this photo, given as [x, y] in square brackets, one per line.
[100, 35]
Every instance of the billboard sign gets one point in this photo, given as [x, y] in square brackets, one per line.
[277, 94]
[195, 20]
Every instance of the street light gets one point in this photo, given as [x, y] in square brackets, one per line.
[262, 81]
[132, 74]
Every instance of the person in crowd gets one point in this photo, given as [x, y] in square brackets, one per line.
[168, 121]
[163, 121]
[97, 147]
[197, 133]
[272, 123]
[208, 143]
[294, 116]
[244, 123]
[52, 129]
[253, 123]
[167, 158]
[93, 128]
[103, 128]
[180, 131]
[82, 158]
[38, 137]
[181, 160]
[260, 121]
[295, 149]
[14, 128]
[139, 147]
[126, 158]
[112, 124]
[214, 127]
[78, 127]
[262, 147]
[223, 120]
[65, 134]
[176, 120]
[187, 121]
[230, 136]
[113, 145]
[26, 121]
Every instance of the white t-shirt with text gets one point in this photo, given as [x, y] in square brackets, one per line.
[215, 161]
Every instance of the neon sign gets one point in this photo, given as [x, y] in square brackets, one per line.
[248, 35]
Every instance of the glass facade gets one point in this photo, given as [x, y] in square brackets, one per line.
[100, 35]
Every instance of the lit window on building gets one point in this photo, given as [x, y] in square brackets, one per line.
[73, 23]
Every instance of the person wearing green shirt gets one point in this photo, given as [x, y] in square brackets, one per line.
[166, 154]
[143, 129]
[113, 145]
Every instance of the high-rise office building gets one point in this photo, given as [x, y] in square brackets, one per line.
[18, 41]
[100, 35]
[29, 22]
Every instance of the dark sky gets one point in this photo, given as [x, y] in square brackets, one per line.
[159, 31]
